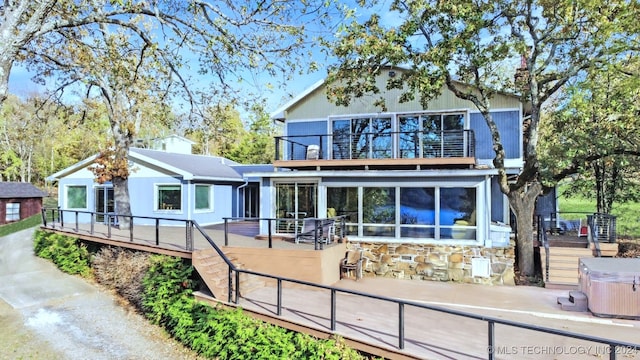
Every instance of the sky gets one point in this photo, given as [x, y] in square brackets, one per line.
[20, 80]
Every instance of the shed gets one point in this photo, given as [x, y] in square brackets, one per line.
[19, 200]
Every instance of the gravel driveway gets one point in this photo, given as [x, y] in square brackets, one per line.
[46, 314]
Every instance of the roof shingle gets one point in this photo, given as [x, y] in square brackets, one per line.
[12, 189]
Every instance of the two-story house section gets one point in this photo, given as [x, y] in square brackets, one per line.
[416, 184]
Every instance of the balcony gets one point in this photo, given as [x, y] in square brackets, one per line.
[388, 150]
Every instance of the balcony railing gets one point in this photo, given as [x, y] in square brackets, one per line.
[386, 145]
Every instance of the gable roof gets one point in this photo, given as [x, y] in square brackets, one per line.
[12, 190]
[188, 166]
[281, 113]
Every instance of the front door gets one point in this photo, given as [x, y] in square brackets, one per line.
[104, 202]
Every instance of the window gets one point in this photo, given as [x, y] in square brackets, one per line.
[379, 211]
[362, 138]
[203, 197]
[297, 200]
[13, 212]
[345, 202]
[169, 197]
[431, 135]
[76, 197]
[457, 213]
[417, 212]
[438, 213]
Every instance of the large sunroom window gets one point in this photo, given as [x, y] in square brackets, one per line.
[343, 201]
[438, 213]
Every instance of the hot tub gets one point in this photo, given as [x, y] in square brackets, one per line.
[612, 286]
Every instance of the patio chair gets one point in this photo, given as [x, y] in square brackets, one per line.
[352, 262]
[308, 232]
[328, 230]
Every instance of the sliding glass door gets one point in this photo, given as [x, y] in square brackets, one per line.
[104, 202]
[294, 201]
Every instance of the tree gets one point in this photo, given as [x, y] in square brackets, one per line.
[455, 44]
[217, 130]
[19, 136]
[257, 145]
[120, 48]
[592, 132]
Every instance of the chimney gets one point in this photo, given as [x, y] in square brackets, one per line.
[521, 77]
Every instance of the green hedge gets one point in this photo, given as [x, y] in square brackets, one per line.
[216, 333]
[66, 252]
[220, 333]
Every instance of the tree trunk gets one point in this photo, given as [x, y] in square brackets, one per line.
[523, 203]
[6, 62]
[122, 141]
[121, 198]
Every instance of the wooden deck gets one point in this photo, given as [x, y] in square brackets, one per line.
[171, 240]
[372, 325]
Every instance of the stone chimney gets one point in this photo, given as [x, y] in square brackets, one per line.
[521, 77]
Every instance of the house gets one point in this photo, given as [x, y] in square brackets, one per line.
[417, 186]
[19, 201]
[170, 183]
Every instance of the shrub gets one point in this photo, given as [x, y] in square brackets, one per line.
[66, 252]
[167, 300]
[167, 279]
[220, 333]
[123, 271]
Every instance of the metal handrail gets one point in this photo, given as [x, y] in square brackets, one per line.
[318, 244]
[445, 143]
[491, 321]
[110, 224]
[544, 240]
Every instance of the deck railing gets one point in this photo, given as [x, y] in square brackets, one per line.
[613, 347]
[111, 220]
[368, 145]
[274, 224]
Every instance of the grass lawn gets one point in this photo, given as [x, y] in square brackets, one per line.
[627, 215]
[35, 220]
[27, 223]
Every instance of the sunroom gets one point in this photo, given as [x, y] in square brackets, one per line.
[399, 207]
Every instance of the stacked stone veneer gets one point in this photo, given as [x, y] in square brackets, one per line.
[436, 262]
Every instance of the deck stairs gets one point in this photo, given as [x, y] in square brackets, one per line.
[214, 272]
[577, 301]
[563, 265]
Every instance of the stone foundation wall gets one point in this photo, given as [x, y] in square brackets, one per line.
[438, 262]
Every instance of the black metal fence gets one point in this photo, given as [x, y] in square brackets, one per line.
[369, 145]
[614, 346]
[60, 217]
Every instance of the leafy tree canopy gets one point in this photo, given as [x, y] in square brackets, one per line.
[453, 44]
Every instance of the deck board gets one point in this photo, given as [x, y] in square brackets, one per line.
[372, 325]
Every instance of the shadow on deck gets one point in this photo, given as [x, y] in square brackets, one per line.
[297, 291]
